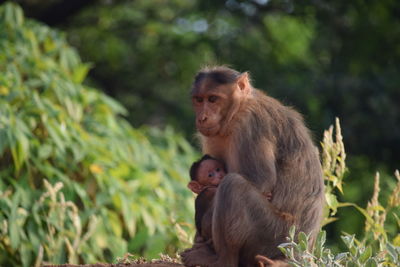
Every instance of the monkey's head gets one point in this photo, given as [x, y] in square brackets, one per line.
[217, 95]
[206, 172]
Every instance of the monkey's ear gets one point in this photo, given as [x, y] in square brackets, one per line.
[195, 187]
[243, 83]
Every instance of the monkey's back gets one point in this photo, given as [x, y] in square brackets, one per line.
[298, 189]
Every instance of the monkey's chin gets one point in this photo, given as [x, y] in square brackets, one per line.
[209, 131]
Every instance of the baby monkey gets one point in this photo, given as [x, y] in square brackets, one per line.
[206, 174]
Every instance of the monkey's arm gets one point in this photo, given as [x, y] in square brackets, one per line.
[267, 177]
[258, 164]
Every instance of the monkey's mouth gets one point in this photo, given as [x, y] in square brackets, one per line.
[208, 131]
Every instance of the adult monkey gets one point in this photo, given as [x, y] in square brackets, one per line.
[267, 149]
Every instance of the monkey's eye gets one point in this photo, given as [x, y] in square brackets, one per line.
[212, 98]
[210, 175]
[217, 169]
[198, 99]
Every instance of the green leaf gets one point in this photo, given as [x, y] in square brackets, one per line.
[80, 72]
[55, 136]
[352, 264]
[45, 151]
[393, 253]
[149, 221]
[339, 187]
[366, 254]
[332, 202]
[129, 219]
[26, 256]
[371, 263]
[348, 240]
[3, 140]
[68, 59]
[49, 44]
[118, 247]
[319, 243]
[397, 219]
[303, 241]
[13, 15]
[156, 244]
[114, 105]
[396, 240]
[114, 223]
[329, 220]
[14, 228]
[292, 232]
[340, 257]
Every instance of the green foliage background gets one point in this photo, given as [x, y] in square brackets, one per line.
[79, 184]
[327, 58]
[123, 188]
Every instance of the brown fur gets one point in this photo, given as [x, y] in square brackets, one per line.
[203, 214]
[266, 148]
[204, 208]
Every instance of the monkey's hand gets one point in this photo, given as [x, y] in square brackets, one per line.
[212, 188]
[267, 195]
[209, 191]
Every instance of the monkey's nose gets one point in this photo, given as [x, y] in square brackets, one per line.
[202, 119]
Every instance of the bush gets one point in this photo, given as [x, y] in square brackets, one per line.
[77, 182]
[377, 248]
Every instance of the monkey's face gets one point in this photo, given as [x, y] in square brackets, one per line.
[216, 104]
[208, 109]
[210, 173]
[211, 108]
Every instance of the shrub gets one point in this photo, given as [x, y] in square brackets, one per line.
[377, 248]
[77, 182]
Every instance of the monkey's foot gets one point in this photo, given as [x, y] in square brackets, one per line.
[264, 261]
[201, 255]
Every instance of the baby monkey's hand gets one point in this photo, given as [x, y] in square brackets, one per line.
[267, 195]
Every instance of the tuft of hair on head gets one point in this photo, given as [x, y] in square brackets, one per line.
[216, 74]
[196, 165]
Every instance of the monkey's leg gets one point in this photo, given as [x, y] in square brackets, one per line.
[243, 222]
[201, 255]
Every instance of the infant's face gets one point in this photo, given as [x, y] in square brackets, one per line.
[210, 172]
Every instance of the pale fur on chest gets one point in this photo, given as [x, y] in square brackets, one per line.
[221, 148]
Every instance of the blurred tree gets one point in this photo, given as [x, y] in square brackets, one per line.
[338, 58]
[327, 59]
[77, 182]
